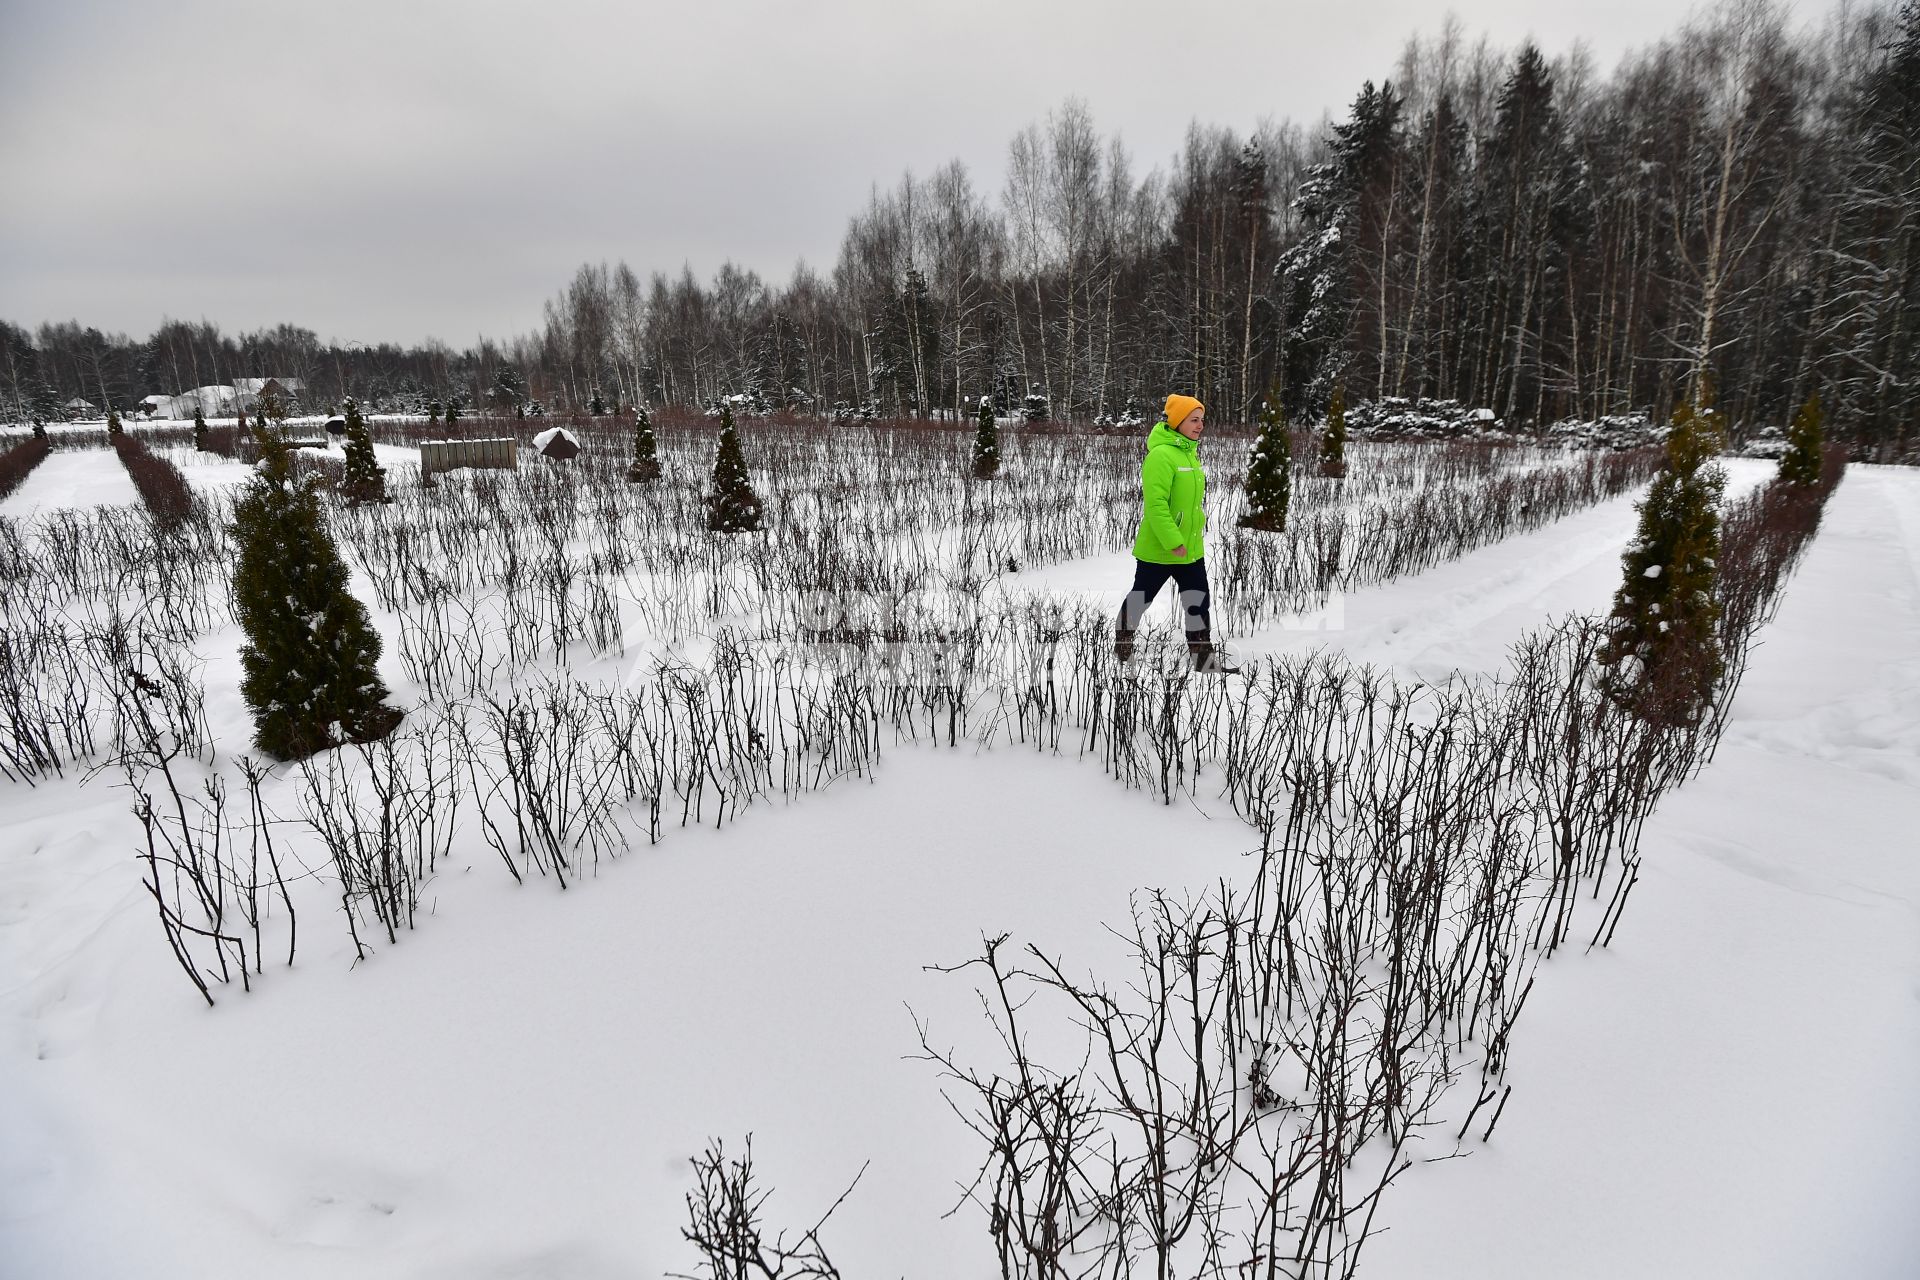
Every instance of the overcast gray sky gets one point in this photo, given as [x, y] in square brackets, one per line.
[397, 169]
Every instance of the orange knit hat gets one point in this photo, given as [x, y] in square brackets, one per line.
[1178, 407]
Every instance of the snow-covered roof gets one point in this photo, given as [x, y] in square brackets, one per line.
[252, 386]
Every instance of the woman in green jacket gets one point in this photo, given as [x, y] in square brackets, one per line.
[1173, 521]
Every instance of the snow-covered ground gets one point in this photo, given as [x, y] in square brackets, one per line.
[1733, 1087]
[515, 1090]
[72, 478]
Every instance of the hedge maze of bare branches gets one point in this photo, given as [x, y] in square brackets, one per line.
[591, 667]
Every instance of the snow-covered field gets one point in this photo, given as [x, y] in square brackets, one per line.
[1730, 1088]
[515, 1091]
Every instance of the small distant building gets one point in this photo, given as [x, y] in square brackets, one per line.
[77, 408]
[214, 401]
[157, 406]
[249, 392]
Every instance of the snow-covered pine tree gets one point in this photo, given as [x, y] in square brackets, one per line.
[1343, 216]
[39, 430]
[453, 412]
[1800, 464]
[510, 389]
[308, 660]
[646, 450]
[597, 406]
[1270, 470]
[114, 428]
[732, 505]
[1333, 444]
[43, 402]
[199, 428]
[1662, 655]
[366, 479]
[433, 411]
[986, 442]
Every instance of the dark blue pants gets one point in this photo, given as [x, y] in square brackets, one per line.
[1191, 582]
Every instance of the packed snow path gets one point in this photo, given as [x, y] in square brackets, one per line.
[72, 478]
[1463, 614]
[1730, 1089]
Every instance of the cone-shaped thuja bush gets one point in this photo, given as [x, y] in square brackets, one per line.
[1333, 445]
[366, 479]
[308, 661]
[1800, 464]
[1662, 653]
[732, 506]
[199, 429]
[113, 422]
[986, 442]
[1270, 470]
[646, 450]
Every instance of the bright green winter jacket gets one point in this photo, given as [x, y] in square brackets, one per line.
[1173, 485]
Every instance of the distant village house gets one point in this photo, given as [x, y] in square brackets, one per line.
[220, 400]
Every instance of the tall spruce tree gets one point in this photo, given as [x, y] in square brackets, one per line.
[1662, 654]
[986, 442]
[199, 428]
[1800, 464]
[1344, 214]
[646, 450]
[366, 479]
[1333, 444]
[308, 661]
[1270, 470]
[732, 505]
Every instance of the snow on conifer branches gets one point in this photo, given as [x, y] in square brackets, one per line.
[310, 649]
[732, 505]
[1663, 652]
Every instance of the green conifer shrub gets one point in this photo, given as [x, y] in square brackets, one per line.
[1800, 464]
[199, 429]
[732, 505]
[309, 655]
[1270, 470]
[366, 479]
[646, 450]
[986, 443]
[1333, 445]
[1662, 654]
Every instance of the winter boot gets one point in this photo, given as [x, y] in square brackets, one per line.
[1122, 639]
[1208, 660]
